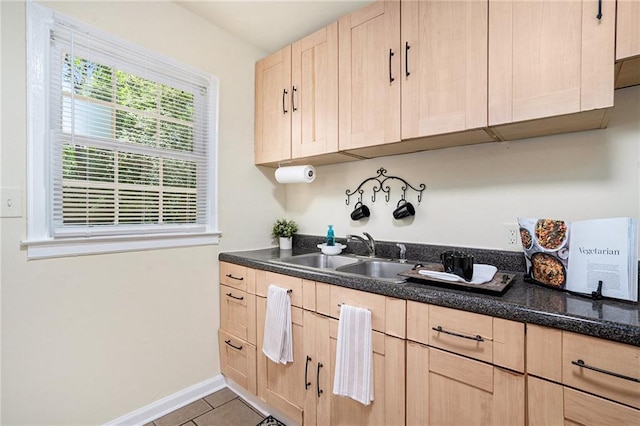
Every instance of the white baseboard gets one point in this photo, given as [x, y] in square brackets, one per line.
[170, 403]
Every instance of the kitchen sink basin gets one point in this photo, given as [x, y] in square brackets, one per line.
[376, 269]
[318, 260]
[381, 269]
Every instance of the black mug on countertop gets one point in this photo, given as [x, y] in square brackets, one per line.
[360, 212]
[403, 210]
[458, 263]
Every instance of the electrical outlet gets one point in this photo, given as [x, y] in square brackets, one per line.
[511, 237]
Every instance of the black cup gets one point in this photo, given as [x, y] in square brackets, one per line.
[463, 265]
[446, 258]
[360, 212]
[404, 209]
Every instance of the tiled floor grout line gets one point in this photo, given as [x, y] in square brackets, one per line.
[206, 417]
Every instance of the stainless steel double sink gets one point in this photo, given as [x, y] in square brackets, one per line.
[381, 269]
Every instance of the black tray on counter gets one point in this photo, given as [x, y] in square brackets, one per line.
[498, 285]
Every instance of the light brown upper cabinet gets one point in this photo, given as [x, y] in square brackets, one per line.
[628, 44]
[550, 58]
[444, 66]
[273, 108]
[297, 101]
[314, 79]
[369, 57]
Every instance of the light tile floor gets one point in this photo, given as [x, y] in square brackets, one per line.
[220, 408]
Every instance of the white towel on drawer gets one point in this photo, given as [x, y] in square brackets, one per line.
[277, 343]
[354, 355]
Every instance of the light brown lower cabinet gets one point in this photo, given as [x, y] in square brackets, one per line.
[453, 368]
[448, 389]
[322, 407]
[553, 404]
[280, 385]
[237, 334]
[238, 360]
[578, 379]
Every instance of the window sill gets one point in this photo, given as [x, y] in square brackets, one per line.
[68, 247]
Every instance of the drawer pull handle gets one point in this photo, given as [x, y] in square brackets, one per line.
[235, 278]
[320, 391]
[235, 297]
[228, 342]
[306, 369]
[580, 363]
[477, 338]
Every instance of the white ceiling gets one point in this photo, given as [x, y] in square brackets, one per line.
[271, 25]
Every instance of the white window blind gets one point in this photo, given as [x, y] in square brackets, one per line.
[129, 138]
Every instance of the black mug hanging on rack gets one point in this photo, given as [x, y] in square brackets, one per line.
[404, 209]
[360, 212]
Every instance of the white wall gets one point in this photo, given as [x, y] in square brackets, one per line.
[471, 191]
[85, 340]
[88, 339]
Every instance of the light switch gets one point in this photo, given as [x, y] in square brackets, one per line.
[10, 202]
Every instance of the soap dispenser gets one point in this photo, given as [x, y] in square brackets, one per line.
[331, 238]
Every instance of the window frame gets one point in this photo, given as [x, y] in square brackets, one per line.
[41, 241]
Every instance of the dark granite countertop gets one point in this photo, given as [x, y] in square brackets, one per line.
[525, 302]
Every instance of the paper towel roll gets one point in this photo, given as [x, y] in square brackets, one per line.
[296, 174]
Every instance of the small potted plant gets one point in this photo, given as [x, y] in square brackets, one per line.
[284, 230]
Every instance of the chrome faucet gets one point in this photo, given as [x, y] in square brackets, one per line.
[403, 252]
[370, 242]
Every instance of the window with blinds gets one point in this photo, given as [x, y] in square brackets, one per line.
[129, 138]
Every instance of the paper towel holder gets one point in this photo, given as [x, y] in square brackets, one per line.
[295, 174]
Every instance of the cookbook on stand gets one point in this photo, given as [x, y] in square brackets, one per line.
[597, 257]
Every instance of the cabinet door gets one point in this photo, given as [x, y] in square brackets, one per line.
[549, 58]
[628, 29]
[273, 108]
[463, 391]
[282, 385]
[388, 406]
[317, 403]
[238, 360]
[314, 98]
[369, 67]
[628, 43]
[444, 79]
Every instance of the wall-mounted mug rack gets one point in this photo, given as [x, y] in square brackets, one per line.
[379, 186]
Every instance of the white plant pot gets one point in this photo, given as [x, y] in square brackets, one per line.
[286, 243]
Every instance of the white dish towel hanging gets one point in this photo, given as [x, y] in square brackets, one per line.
[277, 343]
[354, 355]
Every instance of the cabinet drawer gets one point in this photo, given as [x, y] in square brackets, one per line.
[388, 315]
[461, 332]
[554, 404]
[239, 277]
[264, 279]
[238, 361]
[617, 367]
[493, 340]
[238, 313]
